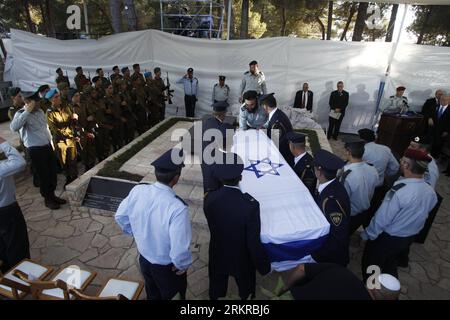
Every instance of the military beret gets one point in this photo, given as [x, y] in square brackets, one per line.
[190, 70]
[231, 167]
[222, 78]
[98, 70]
[254, 62]
[14, 91]
[43, 88]
[422, 140]
[51, 93]
[31, 95]
[417, 155]
[401, 88]
[147, 74]
[296, 137]
[58, 70]
[168, 162]
[125, 69]
[367, 135]
[220, 106]
[62, 85]
[328, 161]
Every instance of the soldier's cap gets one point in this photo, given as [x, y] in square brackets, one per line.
[147, 74]
[296, 137]
[98, 70]
[417, 155]
[220, 106]
[31, 95]
[136, 65]
[51, 93]
[222, 78]
[252, 63]
[43, 88]
[125, 69]
[78, 69]
[367, 135]
[425, 140]
[14, 91]
[401, 88]
[58, 70]
[95, 79]
[231, 167]
[62, 85]
[390, 282]
[170, 161]
[190, 70]
[328, 161]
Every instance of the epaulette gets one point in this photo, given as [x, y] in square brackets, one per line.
[247, 72]
[243, 108]
[370, 164]
[394, 189]
[21, 110]
[344, 176]
[182, 201]
[391, 97]
[261, 73]
[226, 86]
[216, 85]
[249, 197]
[405, 98]
[143, 183]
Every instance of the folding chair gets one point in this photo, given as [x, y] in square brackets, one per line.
[114, 289]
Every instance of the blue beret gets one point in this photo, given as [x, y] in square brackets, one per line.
[230, 168]
[328, 161]
[296, 137]
[51, 93]
[147, 74]
[170, 161]
[220, 106]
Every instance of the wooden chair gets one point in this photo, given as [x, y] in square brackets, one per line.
[58, 287]
[13, 287]
[114, 289]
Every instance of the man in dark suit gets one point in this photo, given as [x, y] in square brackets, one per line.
[442, 128]
[303, 162]
[338, 104]
[333, 199]
[211, 127]
[304, 98]
[235, 248]
[278, 121]
[429, 111]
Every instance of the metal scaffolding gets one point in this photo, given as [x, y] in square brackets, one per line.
[197, 19]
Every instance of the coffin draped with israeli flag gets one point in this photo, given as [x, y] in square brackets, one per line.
[292, 225]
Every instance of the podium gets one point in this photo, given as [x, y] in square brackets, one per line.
[396, 131]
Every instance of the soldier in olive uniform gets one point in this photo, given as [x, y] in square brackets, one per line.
[160, 85]
[126, 103]
[80, 79]
[64, 92]
[127, 78]
[153, 98]
[137, 74]
[114, 117]
[61, 78]
[116, 74]
[140, 105]
[60, 119]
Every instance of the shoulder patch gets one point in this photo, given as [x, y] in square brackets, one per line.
[261, 73]
[247, 72]
[344, 175]
[249, 197]
[182, 201]
[394, 189]
[391, 97]
[336, 218]
[216, 85]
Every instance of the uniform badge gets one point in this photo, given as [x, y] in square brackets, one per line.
[336, 218]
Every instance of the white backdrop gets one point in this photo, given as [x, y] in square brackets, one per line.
[287, 63]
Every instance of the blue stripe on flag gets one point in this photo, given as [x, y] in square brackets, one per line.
[293, 250]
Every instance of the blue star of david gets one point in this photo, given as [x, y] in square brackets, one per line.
[261, 173]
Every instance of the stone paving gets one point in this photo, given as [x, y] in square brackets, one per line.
[65, 237]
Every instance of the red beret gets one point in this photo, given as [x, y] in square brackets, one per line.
[417, 155]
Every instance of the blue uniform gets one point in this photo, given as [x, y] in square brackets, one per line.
[278, 120]
[431, 176]
[252, 120]
[304, 169]
[382, 159]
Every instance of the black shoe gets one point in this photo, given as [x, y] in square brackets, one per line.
[51, 204]
[59, 200]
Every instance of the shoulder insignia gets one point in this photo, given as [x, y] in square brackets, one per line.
[391, 97]
[336, 218]
[394, 189]
[249, 197]
[216, 85]
[226, 86]
[182, 201]
[261, 73]
[243, 108]
[143, 183]
[370, 164]
[344, 176]
[405, 98]
[247, 72]
[324, 204]
[21, 110]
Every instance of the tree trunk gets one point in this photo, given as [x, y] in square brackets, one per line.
[130, 14]
[424, 25]
[30, 24]
[44, 18]
[322, 26]
[330, 19]
[116, 19]
[244, 19]
[391, 26]
[349, 21]
[283, 22]
[50, 26]
[360, 21]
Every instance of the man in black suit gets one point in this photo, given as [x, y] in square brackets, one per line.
[303, 162]
[442, 129]
[235, 248]
[304, 98]
[429, 111]
[278, 122]
[333, 199]
[338, 104]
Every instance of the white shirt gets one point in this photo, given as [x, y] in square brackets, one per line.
[442, 109]
[324, 185]
[272, 113]
[298, 158]
[305, 97]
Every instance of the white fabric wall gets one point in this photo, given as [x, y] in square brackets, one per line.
[286, 62]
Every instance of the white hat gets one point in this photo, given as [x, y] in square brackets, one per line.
[389, 282]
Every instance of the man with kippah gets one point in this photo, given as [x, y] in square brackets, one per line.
[400, 217]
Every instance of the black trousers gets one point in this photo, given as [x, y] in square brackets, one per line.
[334, 126]
[218, 285]
[357, 221]
[161, 283]
[45, 167]
[14, 244]
[375, 203]
[384, 252]
[189, 102]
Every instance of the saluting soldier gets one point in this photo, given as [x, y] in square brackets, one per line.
[159, 222]
[398, 102]
[60, 122]
[234, 222]
[80, 79]
[221, 91]
[303, 162]
[61, 78]
[114, 117]
[400, 217]
[17, 100]
[251, 114]
[254, 79]
[332, 199]
[126, 103]
[159, 82]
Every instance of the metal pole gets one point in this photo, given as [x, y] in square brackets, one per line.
[86, 21]
[211, 20]
[229, 19]
[395, 46]
[161, 13]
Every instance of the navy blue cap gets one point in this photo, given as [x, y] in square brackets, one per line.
[252, 63]
[190, 70]
[170, 161]
[296, 137]
[222, 78]
[220, 106]
[328, 161]
[231, 167]
[31, 95]
[147, 74]
[265, 96]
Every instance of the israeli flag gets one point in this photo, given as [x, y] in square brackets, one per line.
[292, 225]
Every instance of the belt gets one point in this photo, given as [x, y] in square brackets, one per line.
[39, 147]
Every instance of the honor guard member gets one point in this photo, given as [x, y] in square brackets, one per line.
[215, 133]
[81, 80]
[44, 104]
[397, 103]
[190, 84]
[221, 91]
[63, 89]
[253, 80]
[423, 143]
[360, 180]
[31, 123]
[114, 117]
[400, 217]
[17, 100]
[125, 103]
[60, 121]
[116, 74]
[127, 78]
[303, 162]
[235, 248]
[159, 222]
[14, 244]
[137, 74]
[101, 75]
[159, 82]
[277, 121]
[332, 199]
[61, 78]
[153, 98]
[251, 114]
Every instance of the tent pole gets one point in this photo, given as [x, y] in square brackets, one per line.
[161, 14]
[86, 21]
[229, 19]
